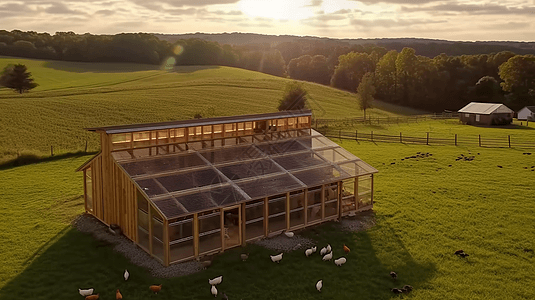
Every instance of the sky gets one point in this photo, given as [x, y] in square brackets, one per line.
[459, 20]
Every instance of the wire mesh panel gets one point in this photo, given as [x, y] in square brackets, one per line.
[209, 231]
[281, 147]
[189, 180]
[277, 213]
[157, 235]
[331, 200]
[150, 187]
[254, 219]
[170, 207]
[297, 209]
[143, 221]
[334, 155]
[235, 153]
[181, 239]
[266, 186]
[324, 174]
[251, 168]
[298, 161]
[348, 196]
[162, 164]
[314, 208]
[365, 190]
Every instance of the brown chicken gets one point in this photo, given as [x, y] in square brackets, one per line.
[346, 249]
[118, 295]
[92, 297]
[155, 288]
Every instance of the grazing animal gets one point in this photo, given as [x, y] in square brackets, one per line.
[459, 252]
[407, 288]
[314, 249]
[214, 291]
[118, 295]
[126, 275]
[396, 291]
[328, 256]
[464, 255]
[216, 280]
[319, 285]
[92, 297]
[308, 252]
[329, 249]
[346, 249]
[276, 258]
[155, 288]
[394, 275]
[339, 262]
[323, 251]
[244, 256]
[85, 292]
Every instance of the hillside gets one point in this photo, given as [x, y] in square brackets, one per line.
[73, 96]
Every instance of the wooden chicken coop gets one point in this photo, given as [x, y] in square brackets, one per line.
[184, 189]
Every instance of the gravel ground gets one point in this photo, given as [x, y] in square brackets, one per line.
[89, 224]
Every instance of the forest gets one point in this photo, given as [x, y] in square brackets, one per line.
[400, 76]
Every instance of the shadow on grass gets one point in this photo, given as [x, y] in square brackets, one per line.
[31, 158]
[509, 126]
[98, 67]
[75, 260]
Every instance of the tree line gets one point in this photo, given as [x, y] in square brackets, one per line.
[400, 77]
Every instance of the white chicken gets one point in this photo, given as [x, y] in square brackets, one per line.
[276, 258]
[289, 234]
[339, 262]
[216, 280]
[329, 248]
[323, 251]
[308, 252]
[214, 291]
[85, 292]
[328, 256]
[126, 275]
[319, 285]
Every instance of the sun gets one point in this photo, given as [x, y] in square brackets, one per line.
[276, 9]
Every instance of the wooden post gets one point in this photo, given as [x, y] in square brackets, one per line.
[287, 210]
[316, 123]
[509, 139]
[196, 235]
[427, 140]
[480, 140]
[305, 206]
[400, 138]
[266, 214]
[51, 150]
[456, 139]
[340, 134]
[85, 146]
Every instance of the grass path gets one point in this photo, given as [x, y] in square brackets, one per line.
[425, 210]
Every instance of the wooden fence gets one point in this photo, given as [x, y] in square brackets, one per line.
[428, 139]
[317, 123]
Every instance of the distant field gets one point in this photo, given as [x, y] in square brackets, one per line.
[72, 96]
[425, 210]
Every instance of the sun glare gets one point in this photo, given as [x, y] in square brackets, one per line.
[276, 9]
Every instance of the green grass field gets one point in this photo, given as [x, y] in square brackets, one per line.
[425, 210]
[72, 96]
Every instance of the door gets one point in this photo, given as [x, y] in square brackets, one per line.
[232, 226]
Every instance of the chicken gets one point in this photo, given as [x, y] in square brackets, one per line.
[213, 290]
[319, 285]
[244, 256]
[276, 258]
[393, 275]
[464, 255]
[308, 252]
[328, 256]
[85, 292]
[216, 280]
[323, 251]
[346, 249]
[339, 262]
[155, 288]
[92, 297]
[406, 288]
[396, 291]
[289, 234]
[126, 275]
[329, 249]
[118, 295]
[459, 251]
[314, 249]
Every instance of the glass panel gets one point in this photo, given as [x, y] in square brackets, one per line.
[262, 187]
[332, 155]
[194, 133]
[260, 126]
[230, 129]
[298, 161]
[181, 250]
[162, 164]
[331, 208]
[209, 231]
[207, 132]
[170, 207]
[232, 154]
[143, 211]
[250, 169]
[240, 129]
[141, 139]
[248, 128]
[314, 204]
[231, 225]
[178, 135]
[348, 198]
[303, 122]
[162, 137]
[281, 147]
[325, 174]
[277, 223]
[121, 140]
[157, 225]
[254, 219]
[292, 123]
[157, 248]
[277, 213]
[218, 131]
[143, 236]
[188, 180]
[297, 213]
[150, 187]
[364, 190]
[88, 190]
[181, 228]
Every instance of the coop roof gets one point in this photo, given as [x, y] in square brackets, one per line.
[200, 122]
[194, 180]
[485, 108]
[530, 108]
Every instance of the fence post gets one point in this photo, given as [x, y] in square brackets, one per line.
[480, 140]
[509, 139]
[316, 123]
[427, 141]
[456, 139]
[51, 150]
[356, 135]
[400, 138]
[340, 134]
[371, 135]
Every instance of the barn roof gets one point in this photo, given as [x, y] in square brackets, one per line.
[199, 122]
[530, 108]
[485, 108]
[181, 182]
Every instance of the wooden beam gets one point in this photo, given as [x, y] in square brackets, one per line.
[287, 210]
[306, 206]
[222, 226]
[166, 242]
[243, 219]
[356, 192]
[266, 215]
[371, 190]
[196, 235]
[323, 201]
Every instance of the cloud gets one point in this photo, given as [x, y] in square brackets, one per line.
[181, 3]
[317, 3]
[13, 7]
[508, 26]
[472, 9]
[181, 12]
[406, 2]
[342, 11]
[105, 12]
[228, 13]
[60, 8]
[390, 23]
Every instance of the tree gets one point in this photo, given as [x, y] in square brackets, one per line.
[17, 78]
[350, 69]
[487, 89]
[365, 92]
[518, 74]
[294, 97]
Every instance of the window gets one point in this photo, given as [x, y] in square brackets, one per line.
[466, 115]
[477, 118]
[121, 140]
